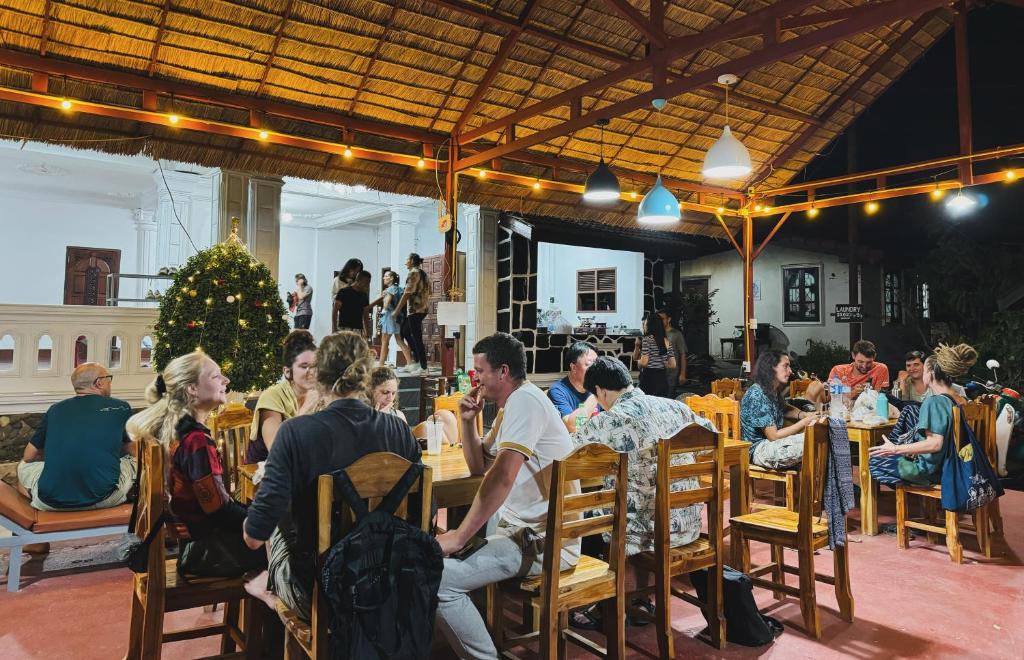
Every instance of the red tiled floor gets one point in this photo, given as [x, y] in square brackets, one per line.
[909, 604]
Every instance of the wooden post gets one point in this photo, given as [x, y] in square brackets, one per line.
[852, 230]
[963, 91]
[748, 289]
[449, 270]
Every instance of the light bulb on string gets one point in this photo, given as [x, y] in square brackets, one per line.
[871, 208]
[812, 213]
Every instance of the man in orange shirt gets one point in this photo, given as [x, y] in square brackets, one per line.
[862, 370]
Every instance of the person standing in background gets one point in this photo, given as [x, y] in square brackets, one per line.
[303, 297]
[677, 376]
[351, 306]
[415, 300]
[346, 276]
[655, 357]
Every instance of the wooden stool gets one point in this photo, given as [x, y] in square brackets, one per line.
[160, 589]
[667, 562]
[803, 531]
[556, 592]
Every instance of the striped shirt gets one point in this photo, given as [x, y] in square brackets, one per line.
[656, 359]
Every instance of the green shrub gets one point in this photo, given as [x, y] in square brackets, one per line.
[821, 356]
[1003, 340]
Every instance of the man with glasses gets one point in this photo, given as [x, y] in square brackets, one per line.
[80, 456]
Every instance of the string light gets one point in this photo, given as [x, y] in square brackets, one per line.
[347, 153]
[536, 184]
[758, 207]
[938, 193]
[812, 213]
[421, 163]
[264, 135]
[66, 104]
[1011, 175]
[482, 173]
[172, 119]
[632, 194]
[871, 208]
[720, 210]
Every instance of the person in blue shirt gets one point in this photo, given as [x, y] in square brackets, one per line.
[80, 456]
[568, 393]
[763, 411]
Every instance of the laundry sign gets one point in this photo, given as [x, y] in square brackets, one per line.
[849, 313]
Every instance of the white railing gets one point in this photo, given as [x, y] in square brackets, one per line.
[41, 344]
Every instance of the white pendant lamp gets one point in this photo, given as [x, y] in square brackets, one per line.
[602, 184]
[727, 158]
[659, 206]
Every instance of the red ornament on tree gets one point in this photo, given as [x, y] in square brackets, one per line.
[191, 325]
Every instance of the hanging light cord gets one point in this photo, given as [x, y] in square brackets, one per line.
[727, 104]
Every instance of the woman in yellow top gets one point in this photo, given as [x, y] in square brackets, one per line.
[292, 396]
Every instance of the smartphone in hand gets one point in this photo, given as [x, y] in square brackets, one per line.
[467, 550]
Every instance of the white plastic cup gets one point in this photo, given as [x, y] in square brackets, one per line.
[434, 433]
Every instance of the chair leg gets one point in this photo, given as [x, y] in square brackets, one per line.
[715, 607]
[14, 569]
[738, 548]
[563, 624]
[494, 618]
[956, 551]
[292, 649]
[231, 619]
[663, 613]
[902, 538]
[549, 634]
[790, 493]
[613, 611]
[996, 516]
[152, 627]
[808, 595]
[931, 514]
[254, 614]
[778, 575]
[981, 518]
[844, 596]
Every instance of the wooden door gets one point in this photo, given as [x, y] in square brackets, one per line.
[85, 275]
[433, 267]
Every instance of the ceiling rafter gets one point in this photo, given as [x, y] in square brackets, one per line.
[504, 50]
[511, 23]
[836, 105]
[456, 79]
[677, 48]
[373, 58]
[155, 52]
[44, 37]
[877, 15]
[278, 33]
[654, 34]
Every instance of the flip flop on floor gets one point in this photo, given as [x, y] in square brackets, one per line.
[586, 618]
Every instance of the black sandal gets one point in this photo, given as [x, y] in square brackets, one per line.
[642, 604]
[586, 618]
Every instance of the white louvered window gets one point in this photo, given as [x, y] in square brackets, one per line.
[595, 290]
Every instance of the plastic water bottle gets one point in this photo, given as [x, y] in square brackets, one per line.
[836, 405]
[882, 406]
[581, 417]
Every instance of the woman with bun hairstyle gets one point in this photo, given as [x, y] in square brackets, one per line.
[917, 458]
[208, 522]
[287, 398]
[306, 447]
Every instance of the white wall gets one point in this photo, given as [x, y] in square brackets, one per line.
[725, 273]
[556, 278]
[36, 232]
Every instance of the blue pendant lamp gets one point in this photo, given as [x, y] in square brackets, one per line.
[659, 206]
[602, 185]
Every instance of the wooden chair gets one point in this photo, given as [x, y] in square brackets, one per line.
[451, 402]
[554, 593]
[727, 387]
[161, 589]
[805, 531]
[373, 475]
[798, 387]
[667, 562]
[980, 416]
[430, 389]
[230, 428]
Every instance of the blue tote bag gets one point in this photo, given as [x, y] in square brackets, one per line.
[968, 480]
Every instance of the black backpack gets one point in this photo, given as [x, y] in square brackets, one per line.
[380, 580]
[744, 624]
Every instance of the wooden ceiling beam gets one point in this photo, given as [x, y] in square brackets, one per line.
[511, 23]
[44, 37]
[676, 48]
[817, 18]
[214, 97]
[504, 50]
[877, 15]
[373, 58]
[278, 33]
[155, 52]
[852, 89]
[650, 30]
[774, 109]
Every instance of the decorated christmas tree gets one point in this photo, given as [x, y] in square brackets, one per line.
[225, 302]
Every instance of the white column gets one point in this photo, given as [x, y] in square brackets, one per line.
[145, 264]
[263, 233]
[404, 221]
[481, 275]
[229, 198]
[181, 232]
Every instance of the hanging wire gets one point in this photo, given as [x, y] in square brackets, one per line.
[173, 207]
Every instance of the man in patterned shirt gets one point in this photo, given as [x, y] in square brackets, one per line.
[634, 422]
[416, 301]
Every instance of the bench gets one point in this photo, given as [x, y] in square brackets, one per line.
[27, 525]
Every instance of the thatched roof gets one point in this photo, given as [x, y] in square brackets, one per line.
[417, 63]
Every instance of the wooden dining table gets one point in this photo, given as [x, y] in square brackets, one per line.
[866, 436]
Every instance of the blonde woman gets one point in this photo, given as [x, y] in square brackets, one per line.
[384, 393]
[306, 447]
[210, 522]
[285, 399]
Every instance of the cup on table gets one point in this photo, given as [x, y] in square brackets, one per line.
[434, 435]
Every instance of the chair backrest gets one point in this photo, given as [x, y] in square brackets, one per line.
[981, 417]
[695, 439]
[798, 387]
[727, 387]
[451, 402]
[723, 413]
[373, 475]
[151, 505]
[812, 473]
[565, 509]
[230, 428]
[430, 389]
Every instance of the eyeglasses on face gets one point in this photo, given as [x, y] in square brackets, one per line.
[109, 377]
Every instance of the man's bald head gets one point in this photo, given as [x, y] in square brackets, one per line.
[85, 379]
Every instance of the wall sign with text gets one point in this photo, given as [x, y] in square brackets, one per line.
[849, 313]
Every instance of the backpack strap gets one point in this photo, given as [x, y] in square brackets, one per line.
[401, 489]
[343, 484]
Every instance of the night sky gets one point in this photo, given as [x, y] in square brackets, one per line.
[916, 120]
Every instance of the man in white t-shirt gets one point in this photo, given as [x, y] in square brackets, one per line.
[515, 460]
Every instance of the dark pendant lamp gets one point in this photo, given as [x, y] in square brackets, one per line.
[602, 184]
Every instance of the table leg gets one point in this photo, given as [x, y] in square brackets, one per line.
[868, 493]
[739, 504]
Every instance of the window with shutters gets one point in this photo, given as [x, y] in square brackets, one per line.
[893, 297]
[801, 288]
[595, 290]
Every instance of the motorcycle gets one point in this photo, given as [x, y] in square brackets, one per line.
[1008, 414]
